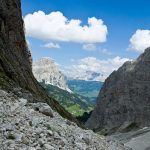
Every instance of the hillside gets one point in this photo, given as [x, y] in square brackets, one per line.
[89, 89]
[124, 100]
[74, 103]
[35, 126]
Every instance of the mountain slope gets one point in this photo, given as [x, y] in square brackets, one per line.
[74, 103]
[15, 58]
[124, 99]
[89, 89]
[28, 126]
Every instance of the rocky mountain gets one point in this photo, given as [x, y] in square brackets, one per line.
[124, 101]
[46, 70]
[29, 118]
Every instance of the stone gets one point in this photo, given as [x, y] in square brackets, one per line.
[3, 93]
[25, 140]
[48, 147]
[23, 102]
[50, 132]
[44, 108]
[86, 140]
[31, 148]
[18, 137]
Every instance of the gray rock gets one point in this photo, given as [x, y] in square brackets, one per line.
[44, 108]
[22, 102]
[48, 147]
[124, 97]
[3, 93]
[31, 148]
[50, 132]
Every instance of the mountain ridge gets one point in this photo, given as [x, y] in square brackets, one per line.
[124, 97]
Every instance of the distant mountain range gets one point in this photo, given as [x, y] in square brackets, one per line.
[86, 76]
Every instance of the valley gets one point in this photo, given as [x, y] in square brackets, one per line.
[74, 103]
[89, 89]
[76, 96]
[91, 99]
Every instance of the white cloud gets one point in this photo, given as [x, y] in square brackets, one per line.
[140, 40]
[105, 51]
[89, 47]
[56, 27]
[90, 68]
[51, 45]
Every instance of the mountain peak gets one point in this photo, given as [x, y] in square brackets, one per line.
[48, 71]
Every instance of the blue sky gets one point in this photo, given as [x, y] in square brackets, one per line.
[122, 18]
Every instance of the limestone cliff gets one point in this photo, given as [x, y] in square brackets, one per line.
[124, 100]
[46, 70]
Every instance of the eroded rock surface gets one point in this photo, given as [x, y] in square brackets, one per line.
[124, 100]
[47, 71]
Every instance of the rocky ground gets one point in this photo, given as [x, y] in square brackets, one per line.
[137, 140]
[34, 126]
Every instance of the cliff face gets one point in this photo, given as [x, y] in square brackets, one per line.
[124, 99]
[15, 58]
[46, 70]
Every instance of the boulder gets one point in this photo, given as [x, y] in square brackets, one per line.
[43, 108]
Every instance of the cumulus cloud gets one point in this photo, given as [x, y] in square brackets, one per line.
[89, 47]
[90, 68]
[56, 27]
[51, 45]
[140, 40]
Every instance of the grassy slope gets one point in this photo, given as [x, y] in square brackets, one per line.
[74, 103]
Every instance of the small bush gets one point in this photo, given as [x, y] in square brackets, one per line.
[11, 136]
